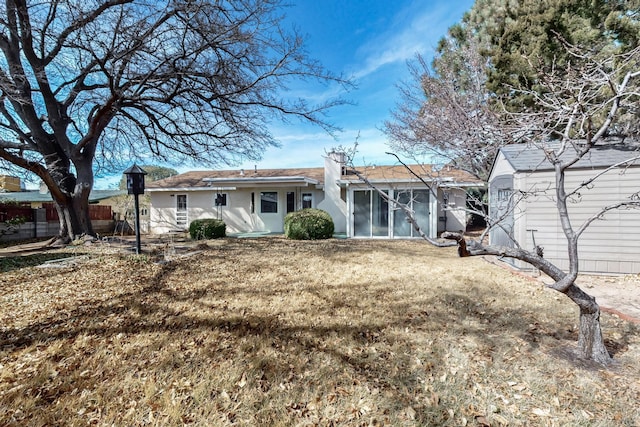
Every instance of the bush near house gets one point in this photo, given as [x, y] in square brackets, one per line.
[207, 229]
[308, 224]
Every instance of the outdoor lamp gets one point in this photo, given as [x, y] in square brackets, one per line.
[135, 179]
[135, 185]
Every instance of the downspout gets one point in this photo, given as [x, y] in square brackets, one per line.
[349, 212]
[445, 204]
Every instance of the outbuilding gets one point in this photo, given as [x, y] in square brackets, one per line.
[522, 198]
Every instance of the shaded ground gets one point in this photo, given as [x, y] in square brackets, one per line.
[617, 294]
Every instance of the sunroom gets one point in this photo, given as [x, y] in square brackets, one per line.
[372, 215]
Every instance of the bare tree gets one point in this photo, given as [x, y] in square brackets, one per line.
[85, 83]
[574, 112]
[447, 114]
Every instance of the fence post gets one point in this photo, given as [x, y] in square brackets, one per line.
[40, 222]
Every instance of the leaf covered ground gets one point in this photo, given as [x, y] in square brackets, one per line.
[277, 332]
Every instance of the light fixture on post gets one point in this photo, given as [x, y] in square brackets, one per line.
[135, 185]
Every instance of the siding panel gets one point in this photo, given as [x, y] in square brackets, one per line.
[611, 244]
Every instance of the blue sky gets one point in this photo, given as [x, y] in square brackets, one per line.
[370, 40]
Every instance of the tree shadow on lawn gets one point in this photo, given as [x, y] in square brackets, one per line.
[366, 355]
[449, 310]
[14, 262]
[147, 311]
[500, 328]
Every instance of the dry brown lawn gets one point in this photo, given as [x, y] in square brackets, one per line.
[271, 332]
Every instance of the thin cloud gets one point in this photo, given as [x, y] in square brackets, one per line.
[413, 30]
[306, 149]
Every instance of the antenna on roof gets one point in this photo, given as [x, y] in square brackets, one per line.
[255, 168]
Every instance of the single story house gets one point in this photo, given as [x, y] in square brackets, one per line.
[258, 200]
[609, 245]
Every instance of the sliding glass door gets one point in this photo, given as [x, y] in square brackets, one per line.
[418, 202]
[370, 214]
[362, 213]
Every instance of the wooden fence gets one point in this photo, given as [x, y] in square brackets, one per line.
[9, 212]
[43, 222]
[96, 212]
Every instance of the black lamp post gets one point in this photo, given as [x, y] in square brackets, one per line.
[135, 185]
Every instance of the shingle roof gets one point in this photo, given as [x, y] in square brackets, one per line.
[196, 179]
[526, 157]
[427, 172]
[202, 179]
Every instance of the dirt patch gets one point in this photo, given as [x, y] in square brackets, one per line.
[619, 295]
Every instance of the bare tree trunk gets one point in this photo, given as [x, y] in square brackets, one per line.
[72, 201]
[74, 219]
[590, 340]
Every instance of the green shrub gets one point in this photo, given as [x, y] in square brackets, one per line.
[308, 224]
[207, 229]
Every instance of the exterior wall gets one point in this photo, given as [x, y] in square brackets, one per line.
[452, 217]
[162, 218]
[610, 245]
[10, 183]
[238, 214]
[501, 180]
[502, 209]
[332, 202]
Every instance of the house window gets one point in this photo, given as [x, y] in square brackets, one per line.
[220, 199]
[253, 203]
[504, 194]
[269, 202]
[144, 212]
[291, 201]
[307, 200]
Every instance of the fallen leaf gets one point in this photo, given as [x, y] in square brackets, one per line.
[541, 412]
[482, 421]
[410, 413]
[243, 381]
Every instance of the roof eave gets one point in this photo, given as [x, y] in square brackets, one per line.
[265, 179]
[186, 189]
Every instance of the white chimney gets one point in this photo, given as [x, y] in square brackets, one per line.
[43, 188]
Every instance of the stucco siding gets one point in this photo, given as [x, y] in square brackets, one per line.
[610, 244]
[162, 217]
[237, 214]
[456, 215]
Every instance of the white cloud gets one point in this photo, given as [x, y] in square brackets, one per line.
[415, 29]
[300, 149]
